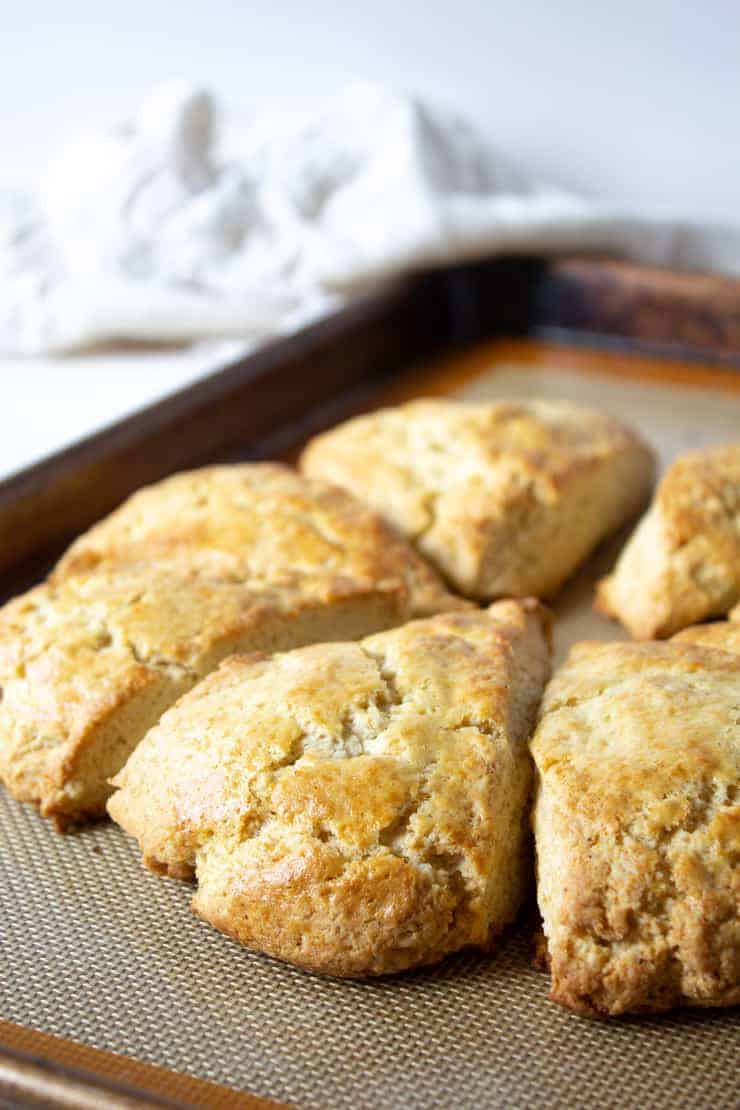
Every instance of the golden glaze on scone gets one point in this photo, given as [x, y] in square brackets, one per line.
[88, 664]
[682, 564]
[506, 498]
[637, 827]
[263, 523]
[358, 808]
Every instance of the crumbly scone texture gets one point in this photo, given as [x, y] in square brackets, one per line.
[355, 808]
[505, 498]
[637, 827]
[724, 635]
[88, 664]
[682, 564]
[265, 524]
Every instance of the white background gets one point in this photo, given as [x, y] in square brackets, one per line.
[636, 102]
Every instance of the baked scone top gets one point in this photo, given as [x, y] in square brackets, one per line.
[264, 524]
[482, 487]
[646, 705]
[356, 808]
[88, 664]
[682, 565]
[700, 490]
[724, 635]
[637, 823]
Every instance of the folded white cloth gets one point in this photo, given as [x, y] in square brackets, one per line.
[160, 231]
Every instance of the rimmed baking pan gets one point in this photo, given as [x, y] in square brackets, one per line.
[111, 993]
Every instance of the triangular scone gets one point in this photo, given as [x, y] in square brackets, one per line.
[357, 808]
[637, 827]
[682, 564]
[506, 498]
[87, 665]
[261, 523]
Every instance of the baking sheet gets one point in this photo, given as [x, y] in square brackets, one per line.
[95, 949]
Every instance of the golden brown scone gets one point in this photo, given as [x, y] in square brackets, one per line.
[724, 635]
[357, 808]
[505, 498]
[682, 563]
[87, 665]
[263, 523]
[637, 827]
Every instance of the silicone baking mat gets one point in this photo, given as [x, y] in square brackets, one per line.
[95, 949]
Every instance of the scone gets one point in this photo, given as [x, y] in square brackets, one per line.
[87, 665]
[637, 827]
[262, 523]
[682, 564]
[358, 808]
[724, 635]
[230, 558]
[506, 498]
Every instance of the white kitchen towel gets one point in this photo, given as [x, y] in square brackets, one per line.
[183, 225]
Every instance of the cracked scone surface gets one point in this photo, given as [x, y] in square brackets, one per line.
[261, 523]
[682, 564]
[353, 808]
[637, 827]
[88, 664]
[505, 498]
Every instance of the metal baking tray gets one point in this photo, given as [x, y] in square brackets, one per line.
[111, 994]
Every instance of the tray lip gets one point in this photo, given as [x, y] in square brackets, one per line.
[33, 496]
[241, 368]
[43, 505]
[49, 1051]
[263, 358]
[31, 1060]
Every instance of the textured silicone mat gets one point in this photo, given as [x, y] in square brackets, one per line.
[95, 949]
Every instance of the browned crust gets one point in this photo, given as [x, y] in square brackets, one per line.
[722, 635]
[89, 664]
[505, 498]
[150, 600]
[261, 524]
[682, 564]
[637, 824]
[355, 809]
